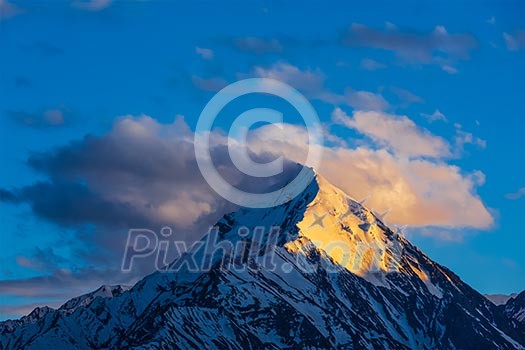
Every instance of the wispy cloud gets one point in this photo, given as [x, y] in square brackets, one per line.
[209, 84]
[60, 285]
[311, 82]
[437, 47]
[25, 308]
[463, 138]
[406, 97]
[371, 65]
[439, 234]
[516, 195]
[91, 5]
[46, 118]
[436, 116]
[207, 54]
[42, 259]
[449, 69]
[8, 10]
[516, 41]
[257, 45]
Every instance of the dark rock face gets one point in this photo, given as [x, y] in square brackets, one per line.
[514, 309]
[307, 299]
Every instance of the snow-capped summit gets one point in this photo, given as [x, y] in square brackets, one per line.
[350, 234]
[320, 271]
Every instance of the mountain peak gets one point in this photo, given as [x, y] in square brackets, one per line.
[326, 220]
[339, 278]
[349, 233]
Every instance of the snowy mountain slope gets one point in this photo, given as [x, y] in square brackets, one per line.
[324, 272]
[104, 291]
[514, 309]
[70, 306]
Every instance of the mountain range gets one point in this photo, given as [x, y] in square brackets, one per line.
[318, 272]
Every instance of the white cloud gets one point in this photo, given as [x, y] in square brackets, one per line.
[420, 192]
[398, 133]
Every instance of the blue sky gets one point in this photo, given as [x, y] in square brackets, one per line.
[71, 69]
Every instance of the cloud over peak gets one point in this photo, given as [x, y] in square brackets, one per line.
[143, 174]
